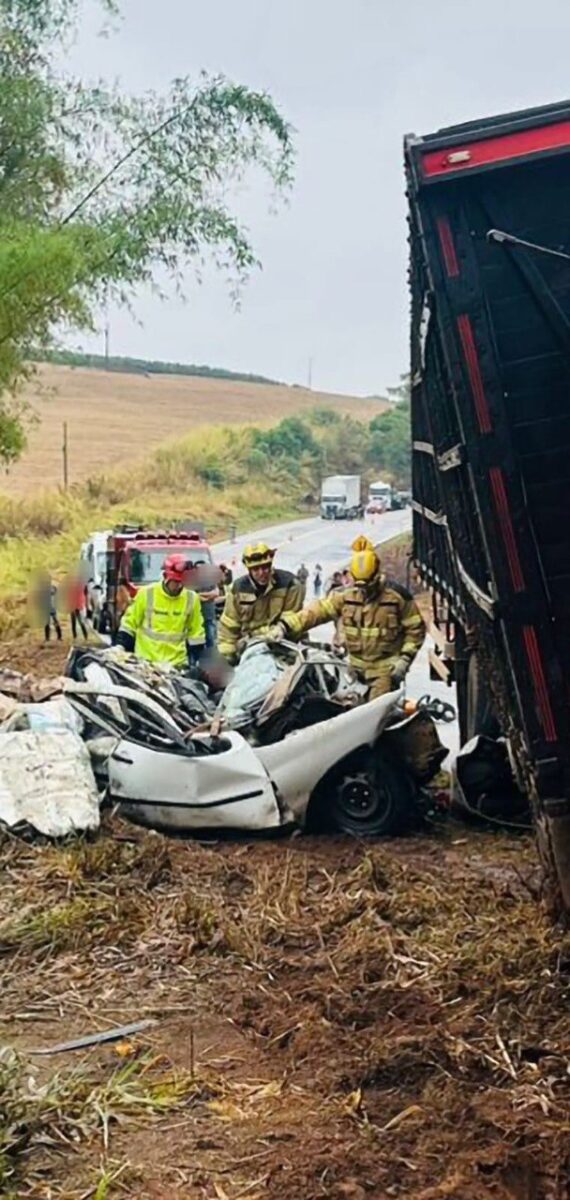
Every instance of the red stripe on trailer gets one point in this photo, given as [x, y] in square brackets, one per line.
[504, 514]
[493, 150]
[539, 680]
[447, 247]
[472, 360]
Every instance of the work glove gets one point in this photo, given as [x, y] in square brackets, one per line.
[399, 671]
[277, 633]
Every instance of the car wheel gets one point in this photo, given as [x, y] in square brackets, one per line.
[375, 800]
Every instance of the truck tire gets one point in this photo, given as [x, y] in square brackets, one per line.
[474, 704]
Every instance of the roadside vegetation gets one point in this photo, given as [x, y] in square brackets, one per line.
[239, 475]
[144, 366]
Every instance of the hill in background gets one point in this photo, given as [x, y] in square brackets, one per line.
[145, 366]
[114, 418]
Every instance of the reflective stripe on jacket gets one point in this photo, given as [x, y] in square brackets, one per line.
[164, 625]
[247, 611]
[376, 630]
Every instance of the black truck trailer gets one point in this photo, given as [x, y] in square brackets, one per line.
[489, 227]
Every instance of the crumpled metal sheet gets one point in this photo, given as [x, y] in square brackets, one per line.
[227, 790]
[46, 782]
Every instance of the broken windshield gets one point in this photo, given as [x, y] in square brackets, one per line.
[258, 671]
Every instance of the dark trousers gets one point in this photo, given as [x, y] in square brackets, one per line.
[77, 619]
[196, 652]
[47, 627]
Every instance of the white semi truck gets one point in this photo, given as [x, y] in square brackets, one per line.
[340, 497]
[380, 496]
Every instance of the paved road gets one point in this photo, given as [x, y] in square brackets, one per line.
[329, 543]
[314, 540]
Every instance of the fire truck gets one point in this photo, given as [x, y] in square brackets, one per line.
[134, 558]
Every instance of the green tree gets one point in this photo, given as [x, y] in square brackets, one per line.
[98, 190]
[390, 443]
[292, 438]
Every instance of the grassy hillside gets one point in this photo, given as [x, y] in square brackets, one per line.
[116, 420]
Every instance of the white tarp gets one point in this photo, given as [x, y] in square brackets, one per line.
[48, 717]
[46, 781]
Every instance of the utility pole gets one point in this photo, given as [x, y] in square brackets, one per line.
[310, 374]
[107, 330]
[65, 461]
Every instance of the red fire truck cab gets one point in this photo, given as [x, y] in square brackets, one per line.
[135, 557]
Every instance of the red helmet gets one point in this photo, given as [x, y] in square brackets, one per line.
[175, 567]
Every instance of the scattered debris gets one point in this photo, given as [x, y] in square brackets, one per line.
[97, 1039]
[46, 783]
[333, 1010]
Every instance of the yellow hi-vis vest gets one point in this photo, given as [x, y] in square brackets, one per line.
[164, 625]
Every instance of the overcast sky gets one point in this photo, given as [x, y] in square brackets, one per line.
[352, 76]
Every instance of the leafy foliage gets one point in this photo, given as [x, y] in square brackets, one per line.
[390, 447]
[292, 438]
[98, 190]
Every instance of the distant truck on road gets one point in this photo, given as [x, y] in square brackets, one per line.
[379, 496]
[340, 498]
[490, 281]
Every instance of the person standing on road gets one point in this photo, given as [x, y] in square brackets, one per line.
[256, 600]
[318, 581]
[381, 623]
[75, 594]
[45, 601]
[302, 576]
[164, 623]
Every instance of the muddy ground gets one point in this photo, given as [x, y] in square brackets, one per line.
[333, 1019]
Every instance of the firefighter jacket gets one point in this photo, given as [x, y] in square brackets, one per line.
[164, 625]
[377, 630]
[248, 611]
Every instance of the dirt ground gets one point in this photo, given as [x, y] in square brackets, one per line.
[115, 419]
[331, 1017]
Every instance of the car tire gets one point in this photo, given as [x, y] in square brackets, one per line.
[367, 796]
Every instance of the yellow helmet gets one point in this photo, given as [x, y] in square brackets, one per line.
[364, 564]
[259, 555]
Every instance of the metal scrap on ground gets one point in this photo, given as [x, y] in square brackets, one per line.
[97, 1039]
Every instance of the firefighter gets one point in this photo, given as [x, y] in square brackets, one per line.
[164, 623]
[256, 600]
[381, 624]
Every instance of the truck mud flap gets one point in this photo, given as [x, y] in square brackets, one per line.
[483, 785]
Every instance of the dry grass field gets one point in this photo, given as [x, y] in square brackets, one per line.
[116, 419]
